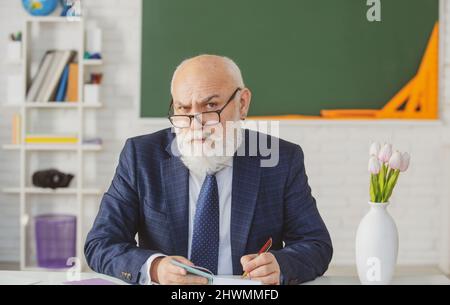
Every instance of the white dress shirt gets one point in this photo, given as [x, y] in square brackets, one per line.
[224, 183]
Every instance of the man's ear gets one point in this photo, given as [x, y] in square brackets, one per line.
[245, 99]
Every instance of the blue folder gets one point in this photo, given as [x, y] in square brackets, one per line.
[62, 87]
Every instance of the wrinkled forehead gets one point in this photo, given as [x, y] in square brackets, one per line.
[197, 88]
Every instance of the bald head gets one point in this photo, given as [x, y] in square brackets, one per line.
[209, 83]
[205, 69]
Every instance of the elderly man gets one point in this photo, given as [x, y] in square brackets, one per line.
[189, 203]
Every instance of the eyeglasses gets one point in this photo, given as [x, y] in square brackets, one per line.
[208, 118]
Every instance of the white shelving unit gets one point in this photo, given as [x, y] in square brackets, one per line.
[53, 147]
[79, 190]
[56, 105]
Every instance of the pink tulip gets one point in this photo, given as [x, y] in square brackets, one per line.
[396, 160]
[405, 162]
[374, 165]
[385, 153]
[374, 149]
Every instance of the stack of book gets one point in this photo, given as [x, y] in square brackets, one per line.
[51, 139]
[56, 79]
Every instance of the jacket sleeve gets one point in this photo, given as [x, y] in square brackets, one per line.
[111, 246]
[308, 249]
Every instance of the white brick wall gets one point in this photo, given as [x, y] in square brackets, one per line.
[336, 153]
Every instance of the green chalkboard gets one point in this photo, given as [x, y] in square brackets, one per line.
[297, 56]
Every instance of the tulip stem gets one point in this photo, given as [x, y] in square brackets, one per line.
[382, 178]
[374, 189]
[389, 174]
[390, 185]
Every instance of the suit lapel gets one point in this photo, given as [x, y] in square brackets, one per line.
[246, 178]
[175, 177]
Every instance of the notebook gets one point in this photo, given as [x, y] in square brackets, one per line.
[91, 282]
[213, 279]
[38, 80]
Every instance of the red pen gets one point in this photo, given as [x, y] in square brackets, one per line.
[264, 249]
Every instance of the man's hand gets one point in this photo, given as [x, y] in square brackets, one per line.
[162, 271]
[263, 267]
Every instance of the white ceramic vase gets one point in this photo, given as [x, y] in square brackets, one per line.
[376, 246]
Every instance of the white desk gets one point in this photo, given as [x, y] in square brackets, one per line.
[47, 278]
[58, 278]
[400, 280]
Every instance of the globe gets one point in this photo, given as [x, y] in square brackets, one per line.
[40, 7]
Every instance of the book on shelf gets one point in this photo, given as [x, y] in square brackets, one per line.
[48, 76]
[72, 85]
[51, 139]
[37, 81]
[16, 129]
[48, 83]
[62, 87]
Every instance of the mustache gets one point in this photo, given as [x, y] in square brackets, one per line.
[195, 135]
[213, 142]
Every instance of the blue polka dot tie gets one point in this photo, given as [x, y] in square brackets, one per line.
[205, 237]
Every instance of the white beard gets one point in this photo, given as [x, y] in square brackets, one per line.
[207, 158]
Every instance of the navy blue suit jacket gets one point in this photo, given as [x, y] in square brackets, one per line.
[149, 196]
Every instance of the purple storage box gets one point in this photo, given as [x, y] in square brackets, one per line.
[55, 240]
